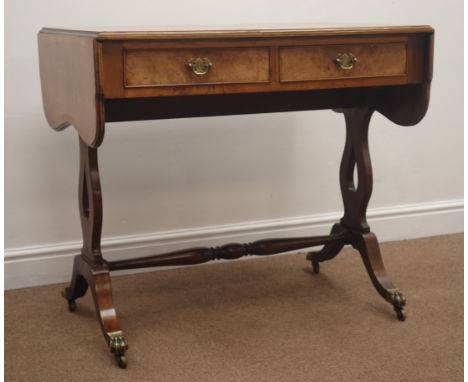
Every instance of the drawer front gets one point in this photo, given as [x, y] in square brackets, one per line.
[328, 62]
[174, 67]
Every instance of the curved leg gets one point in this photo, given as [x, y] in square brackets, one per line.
[328, 252]
[90, 269]
[100, 283]
[78, 285]
[97, 277]
[368, 247]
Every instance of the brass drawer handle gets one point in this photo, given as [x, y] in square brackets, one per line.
[345, 61]
[200, 65]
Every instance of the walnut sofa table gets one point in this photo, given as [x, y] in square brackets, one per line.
[93, 77]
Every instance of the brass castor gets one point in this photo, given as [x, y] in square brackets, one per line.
[398, 301]
[401, 314]
[118, 346]
[121, 361]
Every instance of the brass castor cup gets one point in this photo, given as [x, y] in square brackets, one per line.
[118, 346]
[401, 314]
[398, 301]
[121, 361]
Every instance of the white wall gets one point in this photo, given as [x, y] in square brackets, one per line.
[163, 180]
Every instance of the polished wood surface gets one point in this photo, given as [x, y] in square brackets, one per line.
[356, 157]
[228, 251]
[90, 202]
[239, 31]
[296, 63]
[309, 63]
[70, 84]
[159, 67]
[80, 70]
[90, 77]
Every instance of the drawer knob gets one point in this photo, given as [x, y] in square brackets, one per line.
[345, 61]
[199, 66]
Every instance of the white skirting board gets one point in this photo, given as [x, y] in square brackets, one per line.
[49, 264]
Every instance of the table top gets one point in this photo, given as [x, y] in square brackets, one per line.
[91, 76]
[236, 31]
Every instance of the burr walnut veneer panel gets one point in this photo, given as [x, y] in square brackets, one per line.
[169, 66]
[307, 63]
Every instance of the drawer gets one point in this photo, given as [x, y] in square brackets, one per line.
[328, 62]
[174, 67]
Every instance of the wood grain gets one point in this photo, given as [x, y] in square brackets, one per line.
[241, 31]
[231, 251]
[408, 105]
[255, 61]
[89, 77]
[168, 66]
[308, 63]
[70, 83]
[156, 69]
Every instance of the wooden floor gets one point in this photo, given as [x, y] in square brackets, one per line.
[266, 319]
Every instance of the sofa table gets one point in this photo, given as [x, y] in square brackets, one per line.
[90, 77]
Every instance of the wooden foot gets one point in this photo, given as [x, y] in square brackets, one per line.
[97, 277]
[315, 266]
[78, 285]
[329, 251]
[368, 247]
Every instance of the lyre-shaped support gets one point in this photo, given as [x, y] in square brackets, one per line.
[89, 268]
[356, 157]
[356, 194]
[90, 201]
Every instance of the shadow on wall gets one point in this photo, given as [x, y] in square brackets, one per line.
[215, 170]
